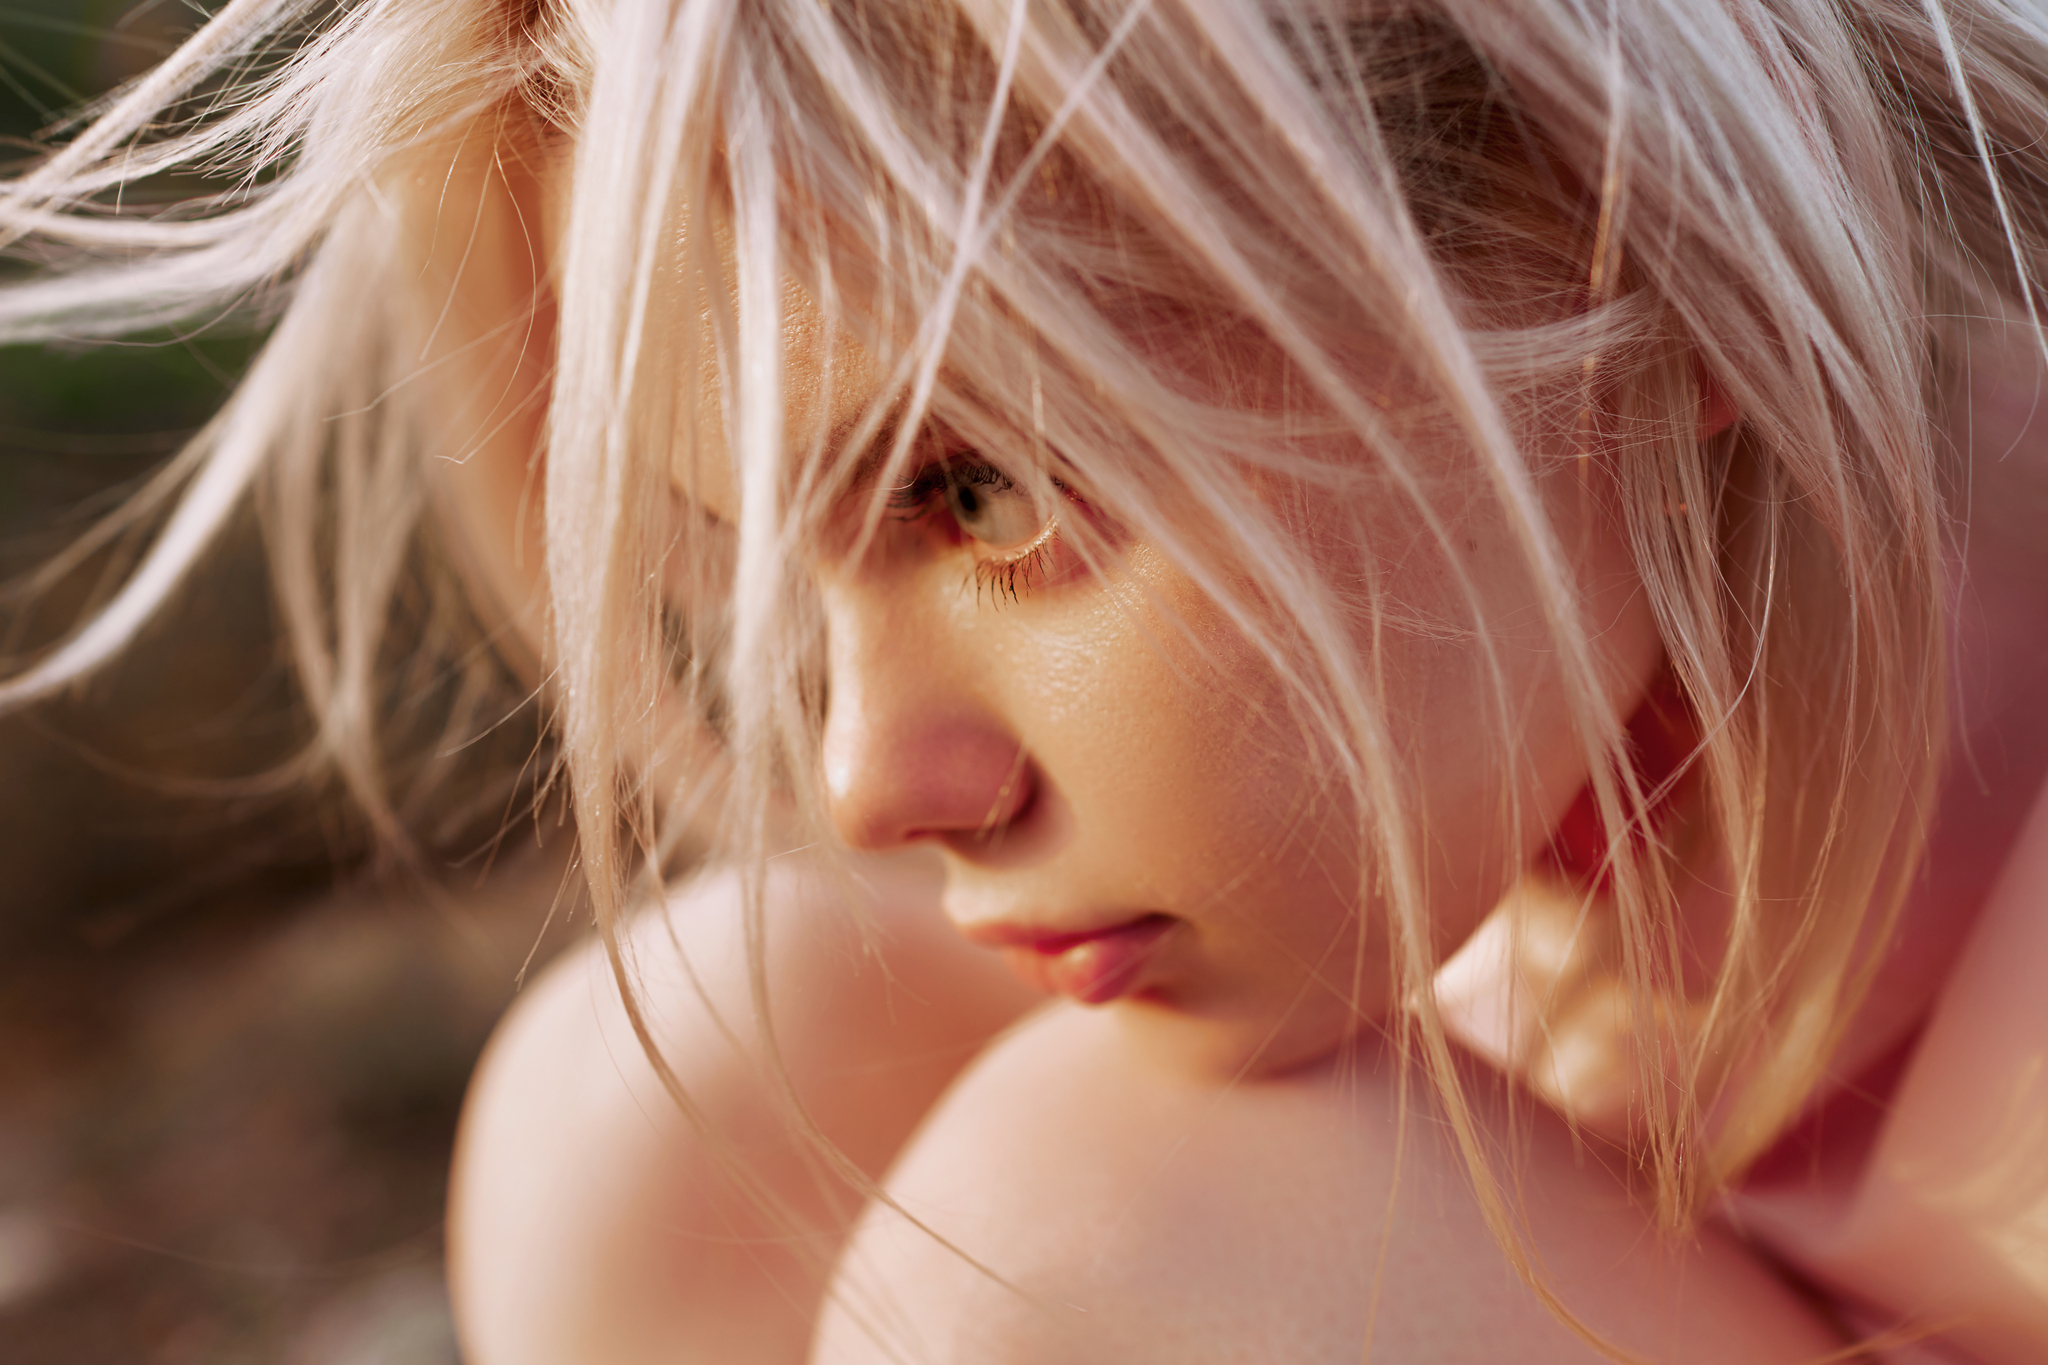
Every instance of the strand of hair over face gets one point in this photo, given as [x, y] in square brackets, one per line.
[1609, 201]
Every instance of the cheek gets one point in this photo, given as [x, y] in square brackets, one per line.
[1483, 710]
[1171, 741]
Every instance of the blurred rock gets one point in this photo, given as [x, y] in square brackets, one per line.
[239, 1146]
[228, 1091]
[401, 1318]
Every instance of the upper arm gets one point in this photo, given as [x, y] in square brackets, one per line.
[592, 1221]
[1945, 1220]
[1133, 1219]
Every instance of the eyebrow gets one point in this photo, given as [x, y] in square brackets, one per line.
[858, 471]
[865, 468]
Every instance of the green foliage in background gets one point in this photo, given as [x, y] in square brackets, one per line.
[57, 54]
[91, 825]
[77, 425]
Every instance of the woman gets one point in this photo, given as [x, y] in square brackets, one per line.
[1267, 495]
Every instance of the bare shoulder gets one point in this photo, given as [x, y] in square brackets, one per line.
[1137, 1218]
[592, 1220]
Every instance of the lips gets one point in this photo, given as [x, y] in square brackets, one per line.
[1094, 967]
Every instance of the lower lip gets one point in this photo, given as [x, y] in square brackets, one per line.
[1095, 969]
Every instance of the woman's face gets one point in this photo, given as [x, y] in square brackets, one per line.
[1111, 772]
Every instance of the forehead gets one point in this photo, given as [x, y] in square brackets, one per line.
[828, 378]
[828, 381]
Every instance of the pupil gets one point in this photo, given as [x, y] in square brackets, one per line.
[969, 504]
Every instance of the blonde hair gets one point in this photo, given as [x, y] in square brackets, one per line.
[1544, 206]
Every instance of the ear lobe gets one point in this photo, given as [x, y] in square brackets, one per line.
[1717, 408]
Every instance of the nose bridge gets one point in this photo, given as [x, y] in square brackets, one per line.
[913, 749]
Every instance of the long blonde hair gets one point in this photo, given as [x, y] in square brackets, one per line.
[1594, 210]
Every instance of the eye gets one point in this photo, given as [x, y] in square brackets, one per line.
[989, 507]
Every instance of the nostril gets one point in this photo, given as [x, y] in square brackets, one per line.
[1011, 808]
[1013, 798]
[1007, 807]
[902, 774]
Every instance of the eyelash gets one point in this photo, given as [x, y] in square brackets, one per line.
[1015, 576]
[1010, 577]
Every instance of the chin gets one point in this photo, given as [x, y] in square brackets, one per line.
[1223, 1047]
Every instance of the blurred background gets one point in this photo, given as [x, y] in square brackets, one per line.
[231, 1055]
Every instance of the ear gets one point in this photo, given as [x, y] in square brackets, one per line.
[482, 337]
[1717, 408]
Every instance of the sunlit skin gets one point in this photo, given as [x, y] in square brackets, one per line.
[1109, 774]
[1060, 1126]
[1103, 750]
[1096, 748]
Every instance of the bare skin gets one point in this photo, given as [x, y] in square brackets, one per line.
[1189, 1175]
[1931, 1205]
[583, 1225]
[1141, 1217]
[591, 1221]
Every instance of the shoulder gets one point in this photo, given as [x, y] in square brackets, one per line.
[591, 1219]
[1122, 1215]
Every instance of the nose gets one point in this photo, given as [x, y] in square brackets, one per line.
[911, 751]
